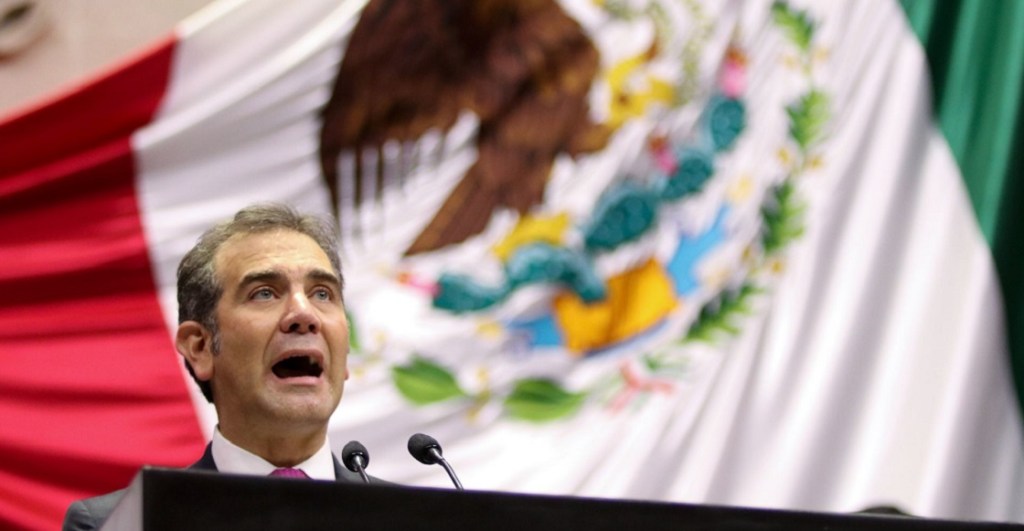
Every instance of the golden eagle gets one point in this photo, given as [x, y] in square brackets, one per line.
[524, 67]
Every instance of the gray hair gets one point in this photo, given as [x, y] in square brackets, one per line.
[198, 288]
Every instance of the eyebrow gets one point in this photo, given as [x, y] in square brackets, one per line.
[271, 276]
[327, 277]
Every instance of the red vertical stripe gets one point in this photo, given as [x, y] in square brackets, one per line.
[90, 385]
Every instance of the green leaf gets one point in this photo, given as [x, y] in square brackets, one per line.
[807, 118]
[718, 317]
[541, 400]
[665, 363]
[796, 24]
[783, 221]
[425, 382]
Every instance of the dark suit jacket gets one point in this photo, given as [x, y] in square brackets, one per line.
[90, 513]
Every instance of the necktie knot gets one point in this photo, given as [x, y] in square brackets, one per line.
[289, 473]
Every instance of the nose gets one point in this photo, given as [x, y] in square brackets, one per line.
[300, 316]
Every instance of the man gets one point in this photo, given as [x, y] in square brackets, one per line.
[262, 329]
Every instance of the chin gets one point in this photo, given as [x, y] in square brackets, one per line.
[304, 409]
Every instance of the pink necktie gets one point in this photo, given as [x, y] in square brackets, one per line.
[289, 473]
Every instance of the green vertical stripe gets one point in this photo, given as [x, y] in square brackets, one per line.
[976, 56]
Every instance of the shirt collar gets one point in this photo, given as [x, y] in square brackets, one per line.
[233, 459]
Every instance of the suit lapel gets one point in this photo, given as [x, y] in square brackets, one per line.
[206, 461]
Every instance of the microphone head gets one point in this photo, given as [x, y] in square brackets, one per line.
[420, 446]
[351, 452]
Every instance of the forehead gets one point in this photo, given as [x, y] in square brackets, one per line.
[280, 250]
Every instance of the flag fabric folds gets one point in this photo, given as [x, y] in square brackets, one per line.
[739, 265]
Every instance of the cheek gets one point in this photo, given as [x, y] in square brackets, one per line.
[249, 331]
[344, 326]
[339, 326]
[340, 346]
[241, 349]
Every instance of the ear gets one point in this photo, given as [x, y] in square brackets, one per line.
[195, 343]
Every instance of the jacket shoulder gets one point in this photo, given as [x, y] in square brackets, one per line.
[90, 513]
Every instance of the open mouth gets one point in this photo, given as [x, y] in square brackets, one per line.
[297, 367]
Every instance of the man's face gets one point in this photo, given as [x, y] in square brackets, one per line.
[283, 335]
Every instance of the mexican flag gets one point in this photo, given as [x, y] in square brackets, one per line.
[747, 253]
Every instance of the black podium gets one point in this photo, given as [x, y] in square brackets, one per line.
[162, 499]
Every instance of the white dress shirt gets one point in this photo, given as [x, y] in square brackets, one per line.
[235, 460]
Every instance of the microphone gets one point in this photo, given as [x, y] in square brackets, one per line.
[427, 450]
[356, 458]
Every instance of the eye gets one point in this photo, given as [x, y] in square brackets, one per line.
[323, 294]
[262, 294]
